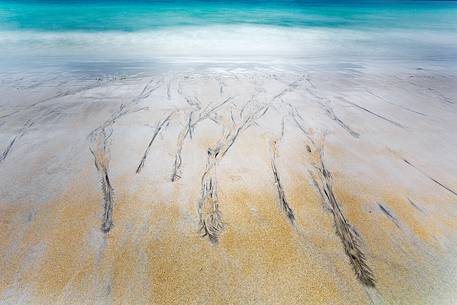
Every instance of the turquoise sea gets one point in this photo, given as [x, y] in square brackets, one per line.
[115, 29]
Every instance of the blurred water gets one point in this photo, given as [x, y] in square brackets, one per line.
[422, 30]
[145, 15]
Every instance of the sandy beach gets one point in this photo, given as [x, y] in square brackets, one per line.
[229, 184]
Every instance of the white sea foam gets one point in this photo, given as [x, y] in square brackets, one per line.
[231, 41]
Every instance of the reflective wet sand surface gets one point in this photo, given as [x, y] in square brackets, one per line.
[245, 184]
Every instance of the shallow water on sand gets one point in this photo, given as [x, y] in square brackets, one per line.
[228, 183]
[251, 152]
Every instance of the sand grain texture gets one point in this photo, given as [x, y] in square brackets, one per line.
[221, 185]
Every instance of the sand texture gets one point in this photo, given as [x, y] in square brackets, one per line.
[241, 184]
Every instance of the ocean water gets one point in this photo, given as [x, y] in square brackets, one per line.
[300, 30]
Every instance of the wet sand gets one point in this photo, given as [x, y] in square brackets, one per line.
[229, 184]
